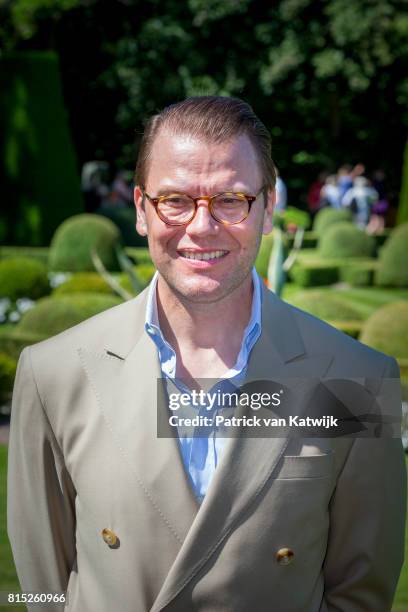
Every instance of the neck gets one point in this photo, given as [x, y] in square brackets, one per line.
[207, 337]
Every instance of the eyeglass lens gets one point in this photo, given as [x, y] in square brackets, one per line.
[226, 207]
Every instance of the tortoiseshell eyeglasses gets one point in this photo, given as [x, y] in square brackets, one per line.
[228, 208]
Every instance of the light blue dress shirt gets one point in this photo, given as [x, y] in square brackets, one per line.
[202, 455]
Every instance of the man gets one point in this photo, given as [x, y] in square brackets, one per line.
[103, 507]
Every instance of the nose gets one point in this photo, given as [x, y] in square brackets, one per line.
[203, 223]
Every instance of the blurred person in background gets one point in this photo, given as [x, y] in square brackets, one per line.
[314, 196]
[360, 199]
[330, 193]
[281, 193]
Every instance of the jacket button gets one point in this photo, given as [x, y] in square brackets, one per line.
[109, 537]
[284, 556]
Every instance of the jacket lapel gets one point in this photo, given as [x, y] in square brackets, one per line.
[124, 379]
[248, 463]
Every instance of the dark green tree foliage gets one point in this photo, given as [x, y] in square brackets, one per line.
[403, 203]
[39, 178]
[326, 76]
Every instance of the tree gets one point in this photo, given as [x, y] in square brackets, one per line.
[326, 76]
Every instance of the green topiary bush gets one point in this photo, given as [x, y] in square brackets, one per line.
[52, 315]
[23, 277]
[74, 240]
[38, 253]
[83, 282]
[326, 217]
[346, 240]
[262, 260]
[387, 330]
[314, 274]
[327, 306]
[392, 267]
[359, 274]
[8, 367]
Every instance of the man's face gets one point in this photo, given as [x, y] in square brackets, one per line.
[180, 164]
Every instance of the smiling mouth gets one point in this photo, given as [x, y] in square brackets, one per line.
[201, 256]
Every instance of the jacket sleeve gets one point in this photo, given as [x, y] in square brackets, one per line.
[41, 496]
[367, 524]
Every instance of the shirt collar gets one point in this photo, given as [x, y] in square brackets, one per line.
[166, 352]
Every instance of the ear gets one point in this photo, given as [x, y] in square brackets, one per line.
[141, 225]
[268, 212]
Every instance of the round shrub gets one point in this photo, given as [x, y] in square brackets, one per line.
[325, 305]
[23, 277]
[346, 240]
[326, 217]
[83, 282]
[74, 240]
[392, 267]
[387, 330]
[8, 367]
[52, 315]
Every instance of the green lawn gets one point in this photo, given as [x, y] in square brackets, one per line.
[8, 579]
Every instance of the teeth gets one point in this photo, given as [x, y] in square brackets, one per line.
[203, 256]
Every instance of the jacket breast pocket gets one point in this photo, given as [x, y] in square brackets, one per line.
[304, 466]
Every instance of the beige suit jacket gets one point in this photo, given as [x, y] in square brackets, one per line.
[84, 455]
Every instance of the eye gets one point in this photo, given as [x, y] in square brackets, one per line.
[176, 199]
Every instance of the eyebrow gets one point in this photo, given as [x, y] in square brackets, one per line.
[167, 190]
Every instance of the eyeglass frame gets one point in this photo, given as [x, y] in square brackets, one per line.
[249, 198]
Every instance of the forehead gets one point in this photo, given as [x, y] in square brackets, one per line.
[182, 159]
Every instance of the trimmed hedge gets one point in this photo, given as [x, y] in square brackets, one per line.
[314, 274]
[37, 253]
[326, 217]
[264, 253]
[74, 240]
[83, 282]
[346, 240]
[393, 268]
[387, 330]
[52, 315]
[359, 274]
[8, 367]
[325, 305]
[22, 277]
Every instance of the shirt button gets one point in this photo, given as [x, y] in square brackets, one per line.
[284, 556]
[109, 537]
